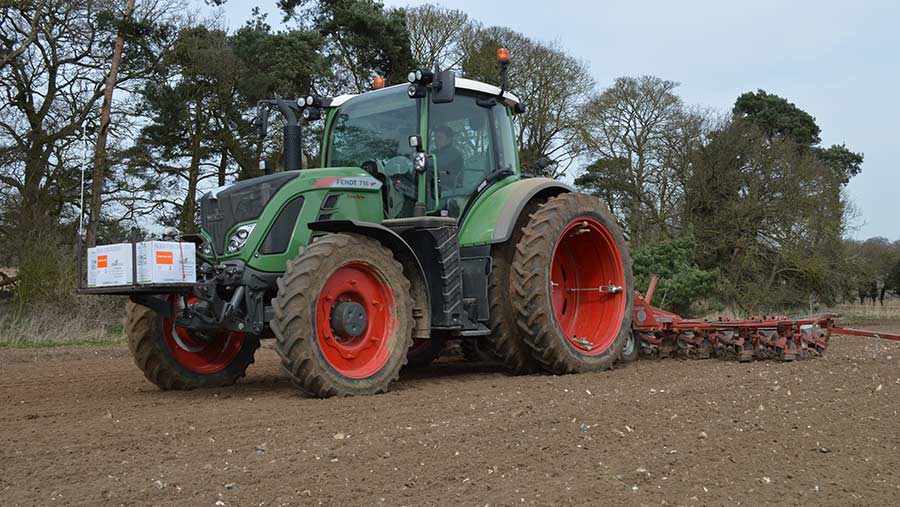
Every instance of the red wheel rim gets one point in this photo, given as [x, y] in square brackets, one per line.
[196, 355]
[364, 355]
[586, 257]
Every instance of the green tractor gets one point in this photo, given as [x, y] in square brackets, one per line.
[418, 228]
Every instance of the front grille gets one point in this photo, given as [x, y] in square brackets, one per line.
[279, 236]
[241, 202]
[212, 221]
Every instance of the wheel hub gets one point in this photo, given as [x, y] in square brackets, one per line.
[354, 320]
[348, 318]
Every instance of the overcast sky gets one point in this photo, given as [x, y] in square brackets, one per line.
[837, 60]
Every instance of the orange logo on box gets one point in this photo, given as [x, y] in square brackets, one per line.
[102, 261]
[164, 257]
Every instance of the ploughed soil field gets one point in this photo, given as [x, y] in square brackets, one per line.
[81, 426]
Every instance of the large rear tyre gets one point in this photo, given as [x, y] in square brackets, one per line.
[505, 339]
[173, 358]
[343, 317]
[477, 350]
[572, 287]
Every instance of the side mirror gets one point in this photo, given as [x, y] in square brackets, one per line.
[443, 88]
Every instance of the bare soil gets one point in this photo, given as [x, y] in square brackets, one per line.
[81, 426]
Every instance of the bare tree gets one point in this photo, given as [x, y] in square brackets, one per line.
[11, 51]
[50, 90]
[640, 138]
[437, 35]
[553, 86]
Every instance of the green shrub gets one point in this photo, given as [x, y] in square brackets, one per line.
[681, 283]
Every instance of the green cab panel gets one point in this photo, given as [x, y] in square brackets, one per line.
[338, 193]
[493, 216]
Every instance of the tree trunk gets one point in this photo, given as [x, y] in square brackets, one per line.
[32, 201]
[98, 175]
[186, 223]
[223, 167]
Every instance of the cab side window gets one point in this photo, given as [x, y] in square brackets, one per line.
[459, 136]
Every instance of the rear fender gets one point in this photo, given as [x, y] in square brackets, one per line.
[492, 219]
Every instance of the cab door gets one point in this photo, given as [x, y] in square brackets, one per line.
[462, 141]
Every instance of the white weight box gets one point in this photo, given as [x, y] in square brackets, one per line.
[158, 262]
[109, 265]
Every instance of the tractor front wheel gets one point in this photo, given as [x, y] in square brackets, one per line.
[572, 286]
[343, 317]
[173, 357]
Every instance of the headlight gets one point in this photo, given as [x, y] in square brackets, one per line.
[420, 76]
[416, 91]
[206, 249]
[312, 113]
[239, 238]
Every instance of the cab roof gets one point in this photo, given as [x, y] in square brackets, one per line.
[461, 83]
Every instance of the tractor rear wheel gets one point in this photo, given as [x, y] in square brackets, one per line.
[477, 350]
[572, 287]
[173, 357]
[343, 317]
[505, 339]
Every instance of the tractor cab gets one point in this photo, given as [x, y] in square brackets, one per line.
[432, 151]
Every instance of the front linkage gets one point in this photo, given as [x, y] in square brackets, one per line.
[227, 296]
[232, 297]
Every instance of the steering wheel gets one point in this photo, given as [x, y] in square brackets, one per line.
[400, 164]
[400, 172]
[397, 174]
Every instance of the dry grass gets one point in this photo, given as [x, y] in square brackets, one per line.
[91, 321]
[890, 311]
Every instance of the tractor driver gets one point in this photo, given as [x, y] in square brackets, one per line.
[449, 159]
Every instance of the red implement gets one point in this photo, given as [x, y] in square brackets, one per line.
[665, 334]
